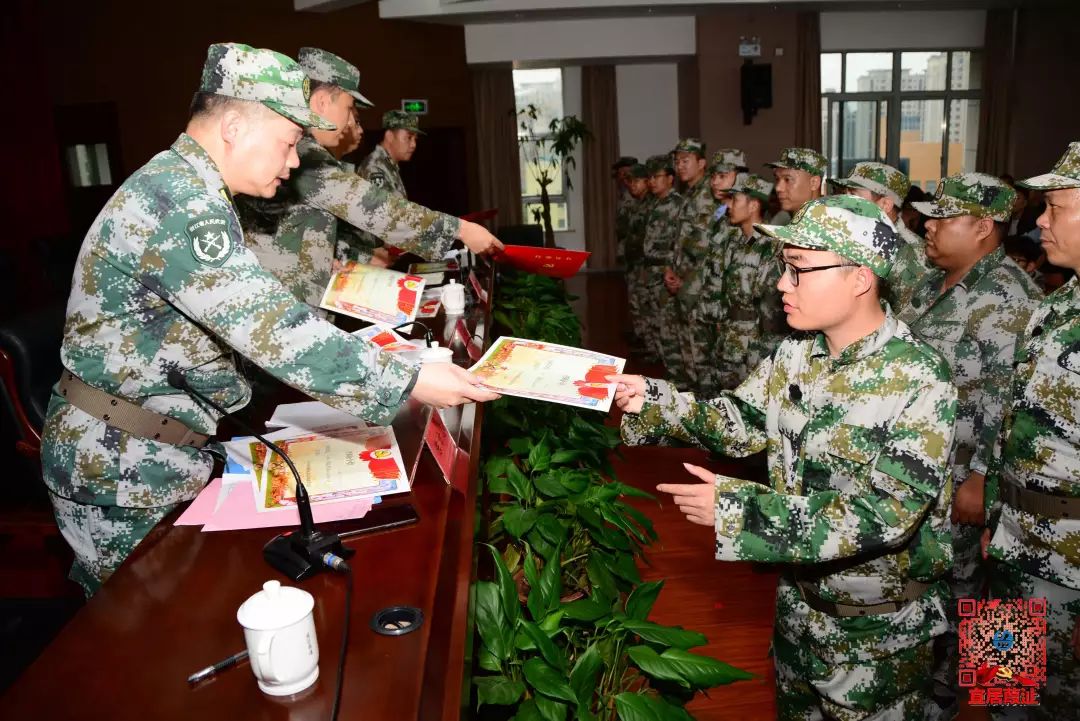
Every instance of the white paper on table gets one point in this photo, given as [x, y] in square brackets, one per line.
[549, 372]
[310, 416]
[431, 279]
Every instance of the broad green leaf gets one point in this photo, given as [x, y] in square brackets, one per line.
[565, 456]
[631, 491]
[497, 690]
[545, 645]
[500, 486]
[576, 481]
[685, 668]
[665, 635]
[547, 680]
[584, 609]
[520, 446]
[600, 577]
[550, 624]
[551, 583]
[540, 456]
[507, 589]
[541, 545]
[583, 675]
[528, 711]
[549, 485]
[487, 660]
[490, 620]
[552, 530]
[622, 565]
[639, 707]
[616, 518]
[517, 521]
[550, 709]
[642, 598]
[643, 521]
[522, 488]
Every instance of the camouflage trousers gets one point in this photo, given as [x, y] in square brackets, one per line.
[697, 340]
[638, 301]
[894, 688]
[734, 361]
[671, 354]
[1061, 697]
[967, 579]
[102, 536]
[652, 309]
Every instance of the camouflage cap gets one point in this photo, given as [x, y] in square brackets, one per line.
[639, 171]
[624, 162]
[660, 164]
[754, 186]
[804, 159]
[845, 224]
[400, 120]
[1066, 174]
[878, 178]
[329, 68]
[726, 160]
[691, 145]
[261, 76]
[978, 194]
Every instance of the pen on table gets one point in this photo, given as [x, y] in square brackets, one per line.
[218, 667]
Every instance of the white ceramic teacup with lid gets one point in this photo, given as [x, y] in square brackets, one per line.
[453, 298]
[279, 628]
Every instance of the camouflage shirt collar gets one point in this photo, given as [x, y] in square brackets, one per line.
[196, 156]
[984, 265]
[862, 348]
[382, 151]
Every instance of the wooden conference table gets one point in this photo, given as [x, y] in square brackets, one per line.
[171, 609]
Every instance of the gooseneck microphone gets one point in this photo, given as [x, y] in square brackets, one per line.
[297, 554]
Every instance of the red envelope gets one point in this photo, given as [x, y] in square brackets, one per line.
[554, 262]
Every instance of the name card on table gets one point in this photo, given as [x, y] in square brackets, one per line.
[443, 447]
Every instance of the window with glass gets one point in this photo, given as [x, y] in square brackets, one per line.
[542, 88]
[915, 110]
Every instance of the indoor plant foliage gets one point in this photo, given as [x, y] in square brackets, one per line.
[563, 627]
[547, 153]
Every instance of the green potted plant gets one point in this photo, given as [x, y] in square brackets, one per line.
[547, 154]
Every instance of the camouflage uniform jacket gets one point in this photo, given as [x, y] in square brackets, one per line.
[909, 267]
[976, 325]
[295, 235]
[752, 319]
[720, 235]
[1041, 437]
[382, 170]
[163, 282]
[858, 449]
[692, 249]
[623, 207]
[661, 230]
[634, 246]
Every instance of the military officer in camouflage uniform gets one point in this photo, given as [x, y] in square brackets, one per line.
[295, 236]
[164, 283]
[624, 202]
[887, 187]
[691, 335]
[800, 177]
[634, 244]
[751, 318]
[856, 415]
[727, 166]
[1036, 539]
[381, 166]
[660, 235]
[972, 308]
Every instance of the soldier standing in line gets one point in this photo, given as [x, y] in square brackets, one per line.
[856, 415]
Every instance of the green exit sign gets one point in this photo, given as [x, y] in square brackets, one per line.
[416, 107]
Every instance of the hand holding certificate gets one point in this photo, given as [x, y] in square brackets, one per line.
[374, 294]
[549, 372]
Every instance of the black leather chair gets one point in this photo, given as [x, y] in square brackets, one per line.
[29, 366]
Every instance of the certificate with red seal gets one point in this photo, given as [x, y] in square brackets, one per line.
[549, 372]
[374, 294]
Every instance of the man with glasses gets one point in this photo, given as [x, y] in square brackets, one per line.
[886, 187]
[972, 308]
[856, 415]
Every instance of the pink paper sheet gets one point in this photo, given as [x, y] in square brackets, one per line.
[238, 512]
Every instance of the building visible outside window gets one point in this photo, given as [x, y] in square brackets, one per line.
[918, 111]
[542, 87]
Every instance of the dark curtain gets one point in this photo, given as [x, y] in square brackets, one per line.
[808, 82]
[599, 153]
[497, 144]
[998, 84]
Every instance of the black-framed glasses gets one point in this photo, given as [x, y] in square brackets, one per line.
[793, 271]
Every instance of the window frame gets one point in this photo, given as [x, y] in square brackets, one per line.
[895, 99]
[554, 198]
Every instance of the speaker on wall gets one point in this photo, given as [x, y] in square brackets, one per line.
[756, 89]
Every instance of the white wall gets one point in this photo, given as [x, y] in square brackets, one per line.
[580, 39]
[903, 30]
[648, 99]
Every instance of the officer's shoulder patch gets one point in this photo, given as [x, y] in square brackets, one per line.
[211, 241]
[378, 178]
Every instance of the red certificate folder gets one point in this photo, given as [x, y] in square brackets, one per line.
[555, 262]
